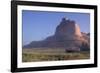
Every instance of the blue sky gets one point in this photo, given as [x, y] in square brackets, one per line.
[37, 25]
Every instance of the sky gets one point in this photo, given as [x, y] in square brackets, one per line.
[37, 25]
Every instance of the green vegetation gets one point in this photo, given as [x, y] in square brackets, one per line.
[34, 55]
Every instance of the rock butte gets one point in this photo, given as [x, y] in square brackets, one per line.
[67, 34]
[68, 28]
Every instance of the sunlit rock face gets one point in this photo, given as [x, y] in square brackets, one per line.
[68, 28]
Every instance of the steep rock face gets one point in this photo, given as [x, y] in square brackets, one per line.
[67, 34]
[68, 28]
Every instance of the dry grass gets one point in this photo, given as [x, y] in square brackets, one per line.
[38, 54]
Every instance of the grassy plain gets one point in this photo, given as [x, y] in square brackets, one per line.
[54, 54]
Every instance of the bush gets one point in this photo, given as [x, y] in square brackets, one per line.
[85, 47]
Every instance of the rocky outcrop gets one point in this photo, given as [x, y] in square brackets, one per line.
[67, 34]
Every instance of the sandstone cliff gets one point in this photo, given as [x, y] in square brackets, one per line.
[67, 34]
